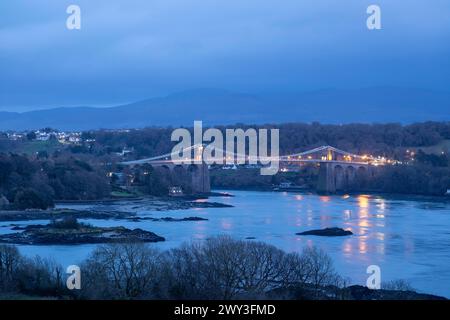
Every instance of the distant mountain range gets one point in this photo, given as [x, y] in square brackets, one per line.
[214, 107]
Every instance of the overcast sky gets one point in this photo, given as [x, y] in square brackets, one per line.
[129, 50]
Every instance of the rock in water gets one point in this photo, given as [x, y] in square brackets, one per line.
[84, 234]
[327, 232]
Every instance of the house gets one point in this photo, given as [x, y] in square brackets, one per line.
[175, 192]
[124, 152]
[229, 167]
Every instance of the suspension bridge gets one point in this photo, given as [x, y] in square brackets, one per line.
[338, 170]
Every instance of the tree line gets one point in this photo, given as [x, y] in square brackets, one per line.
[218, 268]
[381, 139]
[28, 182]
[77, 171]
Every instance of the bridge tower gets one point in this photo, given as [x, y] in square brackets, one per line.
[326, 183]
[341, 176]
[200, 178]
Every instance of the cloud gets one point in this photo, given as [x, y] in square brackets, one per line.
[130, 50]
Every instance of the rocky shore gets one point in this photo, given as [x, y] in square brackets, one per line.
[60, 232]
[27, 215]
[52, 234]
[354, 292]
[110, 211]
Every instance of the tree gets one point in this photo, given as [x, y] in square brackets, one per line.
[10, 262]
[31, 199]
[31, 136]
[319, 268]
[121, 271]
[224, 268]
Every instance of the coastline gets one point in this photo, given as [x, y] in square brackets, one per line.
[387, 195]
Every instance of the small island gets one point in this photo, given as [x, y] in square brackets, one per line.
[68, 231]
[327, 232]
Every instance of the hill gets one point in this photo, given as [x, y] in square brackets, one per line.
[380, 104]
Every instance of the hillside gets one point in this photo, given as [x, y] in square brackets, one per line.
[380, 104]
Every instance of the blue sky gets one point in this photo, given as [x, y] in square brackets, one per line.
[128, 50]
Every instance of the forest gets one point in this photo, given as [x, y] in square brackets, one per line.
[378, 139]
[27, 182]
[34, 179]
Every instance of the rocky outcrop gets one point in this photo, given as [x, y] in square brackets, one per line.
[327, 232]
[363, 293]
[354, 292]
[17, 215]
[48, 235]
[148, 204]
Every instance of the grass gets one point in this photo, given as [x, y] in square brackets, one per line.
[32, 147]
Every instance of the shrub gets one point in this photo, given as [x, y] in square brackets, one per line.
[31, 199]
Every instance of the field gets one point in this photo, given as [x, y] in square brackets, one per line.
[30, 147]
[443, 146]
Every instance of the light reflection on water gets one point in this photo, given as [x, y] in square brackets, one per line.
[408, 239]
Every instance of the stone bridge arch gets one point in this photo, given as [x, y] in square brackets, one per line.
[193, 178]
[340, 183]
[350, 173]
[340, 176]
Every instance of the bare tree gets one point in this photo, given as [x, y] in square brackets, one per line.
[399, 285]
[10, 262]
[319, 269]
[224, 268]
[121, 271]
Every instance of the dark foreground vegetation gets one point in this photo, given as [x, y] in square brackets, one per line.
[219, 268]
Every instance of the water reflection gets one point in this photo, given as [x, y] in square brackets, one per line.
[347, 214]
[408, 241]
[362, 245]
[226, 224]
[363, 200]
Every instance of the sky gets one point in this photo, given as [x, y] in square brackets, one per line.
[130, 50]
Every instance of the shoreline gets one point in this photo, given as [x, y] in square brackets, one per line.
[151, 204]
[387, 195]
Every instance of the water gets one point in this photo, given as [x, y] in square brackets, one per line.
[409, 238]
